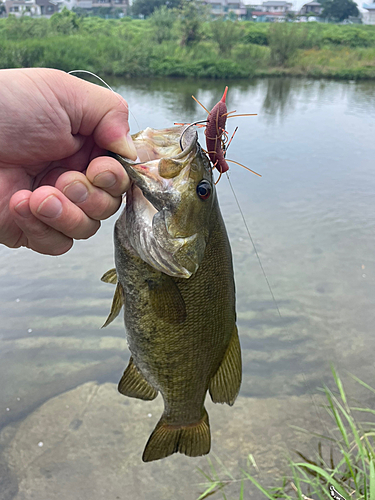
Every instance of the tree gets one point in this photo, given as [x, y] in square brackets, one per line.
[226, 34]
[163, 20]
[65, 22]
[340, 9]
[146, 7]
[191, 18]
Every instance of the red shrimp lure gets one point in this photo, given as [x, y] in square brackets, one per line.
[216, 136]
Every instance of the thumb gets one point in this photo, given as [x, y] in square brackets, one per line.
[102, 113]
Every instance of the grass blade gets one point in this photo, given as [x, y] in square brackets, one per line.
[339, 385]
[372, 480]
[259, 486]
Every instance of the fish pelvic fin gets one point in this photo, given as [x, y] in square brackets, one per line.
[225, 384]
[117, 303]
[110, 277]
[134, 384]
[193, 440]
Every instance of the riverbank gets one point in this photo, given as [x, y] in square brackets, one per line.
[221, 49]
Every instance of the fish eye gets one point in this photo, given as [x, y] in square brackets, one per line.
[204, 190]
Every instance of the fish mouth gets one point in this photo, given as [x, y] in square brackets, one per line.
[152, 197]
[163, 155]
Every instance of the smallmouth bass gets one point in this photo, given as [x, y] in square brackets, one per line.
[174, 277]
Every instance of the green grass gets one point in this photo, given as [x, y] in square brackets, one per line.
[345, 459]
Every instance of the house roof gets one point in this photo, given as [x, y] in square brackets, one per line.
[275, 3]
[13, 3]
[313, 4]
[370, 6]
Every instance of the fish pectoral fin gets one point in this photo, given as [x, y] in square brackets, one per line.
[117, 303]
[225, 384]
[166, 299]
[110, 277]
[134, 385]
[193, 440]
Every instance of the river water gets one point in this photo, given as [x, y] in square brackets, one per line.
[311, 219]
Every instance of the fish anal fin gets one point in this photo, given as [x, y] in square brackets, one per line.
[193, 440]
[134, 385]
[225, 384]
[117, 303]
[110, 277]
[166, 299]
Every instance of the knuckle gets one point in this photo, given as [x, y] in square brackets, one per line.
[90, 231]
[40, 232]
[103, 206]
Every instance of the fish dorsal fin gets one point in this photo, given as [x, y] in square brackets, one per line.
[225, 384]
[110, 277]
[134, 385]
[117, 303]
[166, 299]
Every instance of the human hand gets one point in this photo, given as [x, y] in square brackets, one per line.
[55, 183]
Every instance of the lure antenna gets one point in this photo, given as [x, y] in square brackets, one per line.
[247, 168]
[200, 104]
[246, 114]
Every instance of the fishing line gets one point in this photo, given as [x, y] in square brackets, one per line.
[255, 250]
[108, 87]
[314, 403]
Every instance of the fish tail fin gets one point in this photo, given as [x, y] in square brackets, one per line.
[192, 440]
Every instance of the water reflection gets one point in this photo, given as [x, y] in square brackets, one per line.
[278, 96]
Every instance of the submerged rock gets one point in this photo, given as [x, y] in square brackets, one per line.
[93, 440]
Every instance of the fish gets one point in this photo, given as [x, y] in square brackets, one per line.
[174, 278]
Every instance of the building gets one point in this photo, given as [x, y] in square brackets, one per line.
[226, 7]
[95, 5]
[277, 6]
[47, 8]
[369, 16]
[273, 10]
[20, 8]
[313, 7]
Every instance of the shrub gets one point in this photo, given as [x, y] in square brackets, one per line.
[257, 35]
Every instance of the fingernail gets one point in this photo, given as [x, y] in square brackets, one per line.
[23, 208]
[124, 147]
[51, 207]
[76, 192]
[105, 180]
